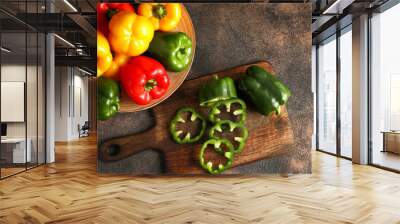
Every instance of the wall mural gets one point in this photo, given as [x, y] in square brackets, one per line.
[204, 88]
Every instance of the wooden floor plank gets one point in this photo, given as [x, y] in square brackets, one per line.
[70, 191]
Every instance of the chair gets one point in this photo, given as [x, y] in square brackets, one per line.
[84, 130]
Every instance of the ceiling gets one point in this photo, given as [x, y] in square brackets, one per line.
[39, 6]
[332, 15]
[23, 21]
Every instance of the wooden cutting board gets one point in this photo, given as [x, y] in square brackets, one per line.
[268, 136]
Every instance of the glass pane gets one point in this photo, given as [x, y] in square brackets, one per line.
[385, 83]
[41, 99]
[31, 98]
[346, 93]
[327, 96]
[32, 86]
[22, 80]
[13, 86]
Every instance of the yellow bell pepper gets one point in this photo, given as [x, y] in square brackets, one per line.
[113, 71]
[104, 56]
[130, 34]
[164, 16]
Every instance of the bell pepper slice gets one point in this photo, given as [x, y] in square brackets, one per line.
[163, 16]
[104, 56]
[173, 50]
[178, 135]
[106, 10]
[217, 89]
[130, 34]
[240, 113]
[107, 98]
[264, 90]
[144, 79]
[217, 146]
[229, 126]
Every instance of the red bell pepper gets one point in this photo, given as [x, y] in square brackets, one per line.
[144, 79]
[106, 10]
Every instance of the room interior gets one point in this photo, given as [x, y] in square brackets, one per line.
[28, 101]
[334, 68]
[48, 128]
[22, 101]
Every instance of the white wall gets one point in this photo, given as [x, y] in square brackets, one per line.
[62, 81]
[70, 83]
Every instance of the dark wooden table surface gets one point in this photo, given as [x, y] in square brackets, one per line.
[229, 35]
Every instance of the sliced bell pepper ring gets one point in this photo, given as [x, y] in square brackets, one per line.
[229, 126]
[104, 56]
[188, 137]
[163, 16]
[240, 114]
[217, 145]
[144, 79]
[130, 34]
[106, 10]
[217, 89]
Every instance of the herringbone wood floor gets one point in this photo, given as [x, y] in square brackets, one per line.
[70, 191]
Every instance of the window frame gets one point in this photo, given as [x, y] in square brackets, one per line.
[339, 33]
[32, 30]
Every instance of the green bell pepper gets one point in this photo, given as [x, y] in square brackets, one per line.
[264, 90]
[229, 126]
[173, 50]
[178, 135]
[240, 113]
[217, 143]
[107, 98]
[217, 89]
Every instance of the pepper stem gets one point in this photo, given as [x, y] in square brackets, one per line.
[159, 11]
[150, 84]
[110, 13]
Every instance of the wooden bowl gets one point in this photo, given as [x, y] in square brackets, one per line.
[176, 78]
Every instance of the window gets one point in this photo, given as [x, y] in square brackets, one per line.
[346, 95]
[327, 96]
[335, 74]
[385, 89]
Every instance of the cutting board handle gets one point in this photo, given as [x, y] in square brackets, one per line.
[123, 147]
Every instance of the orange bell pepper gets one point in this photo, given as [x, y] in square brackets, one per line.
[113, 71]
[164, 16]
[105, 12]
[130, 34]
[104, 56]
